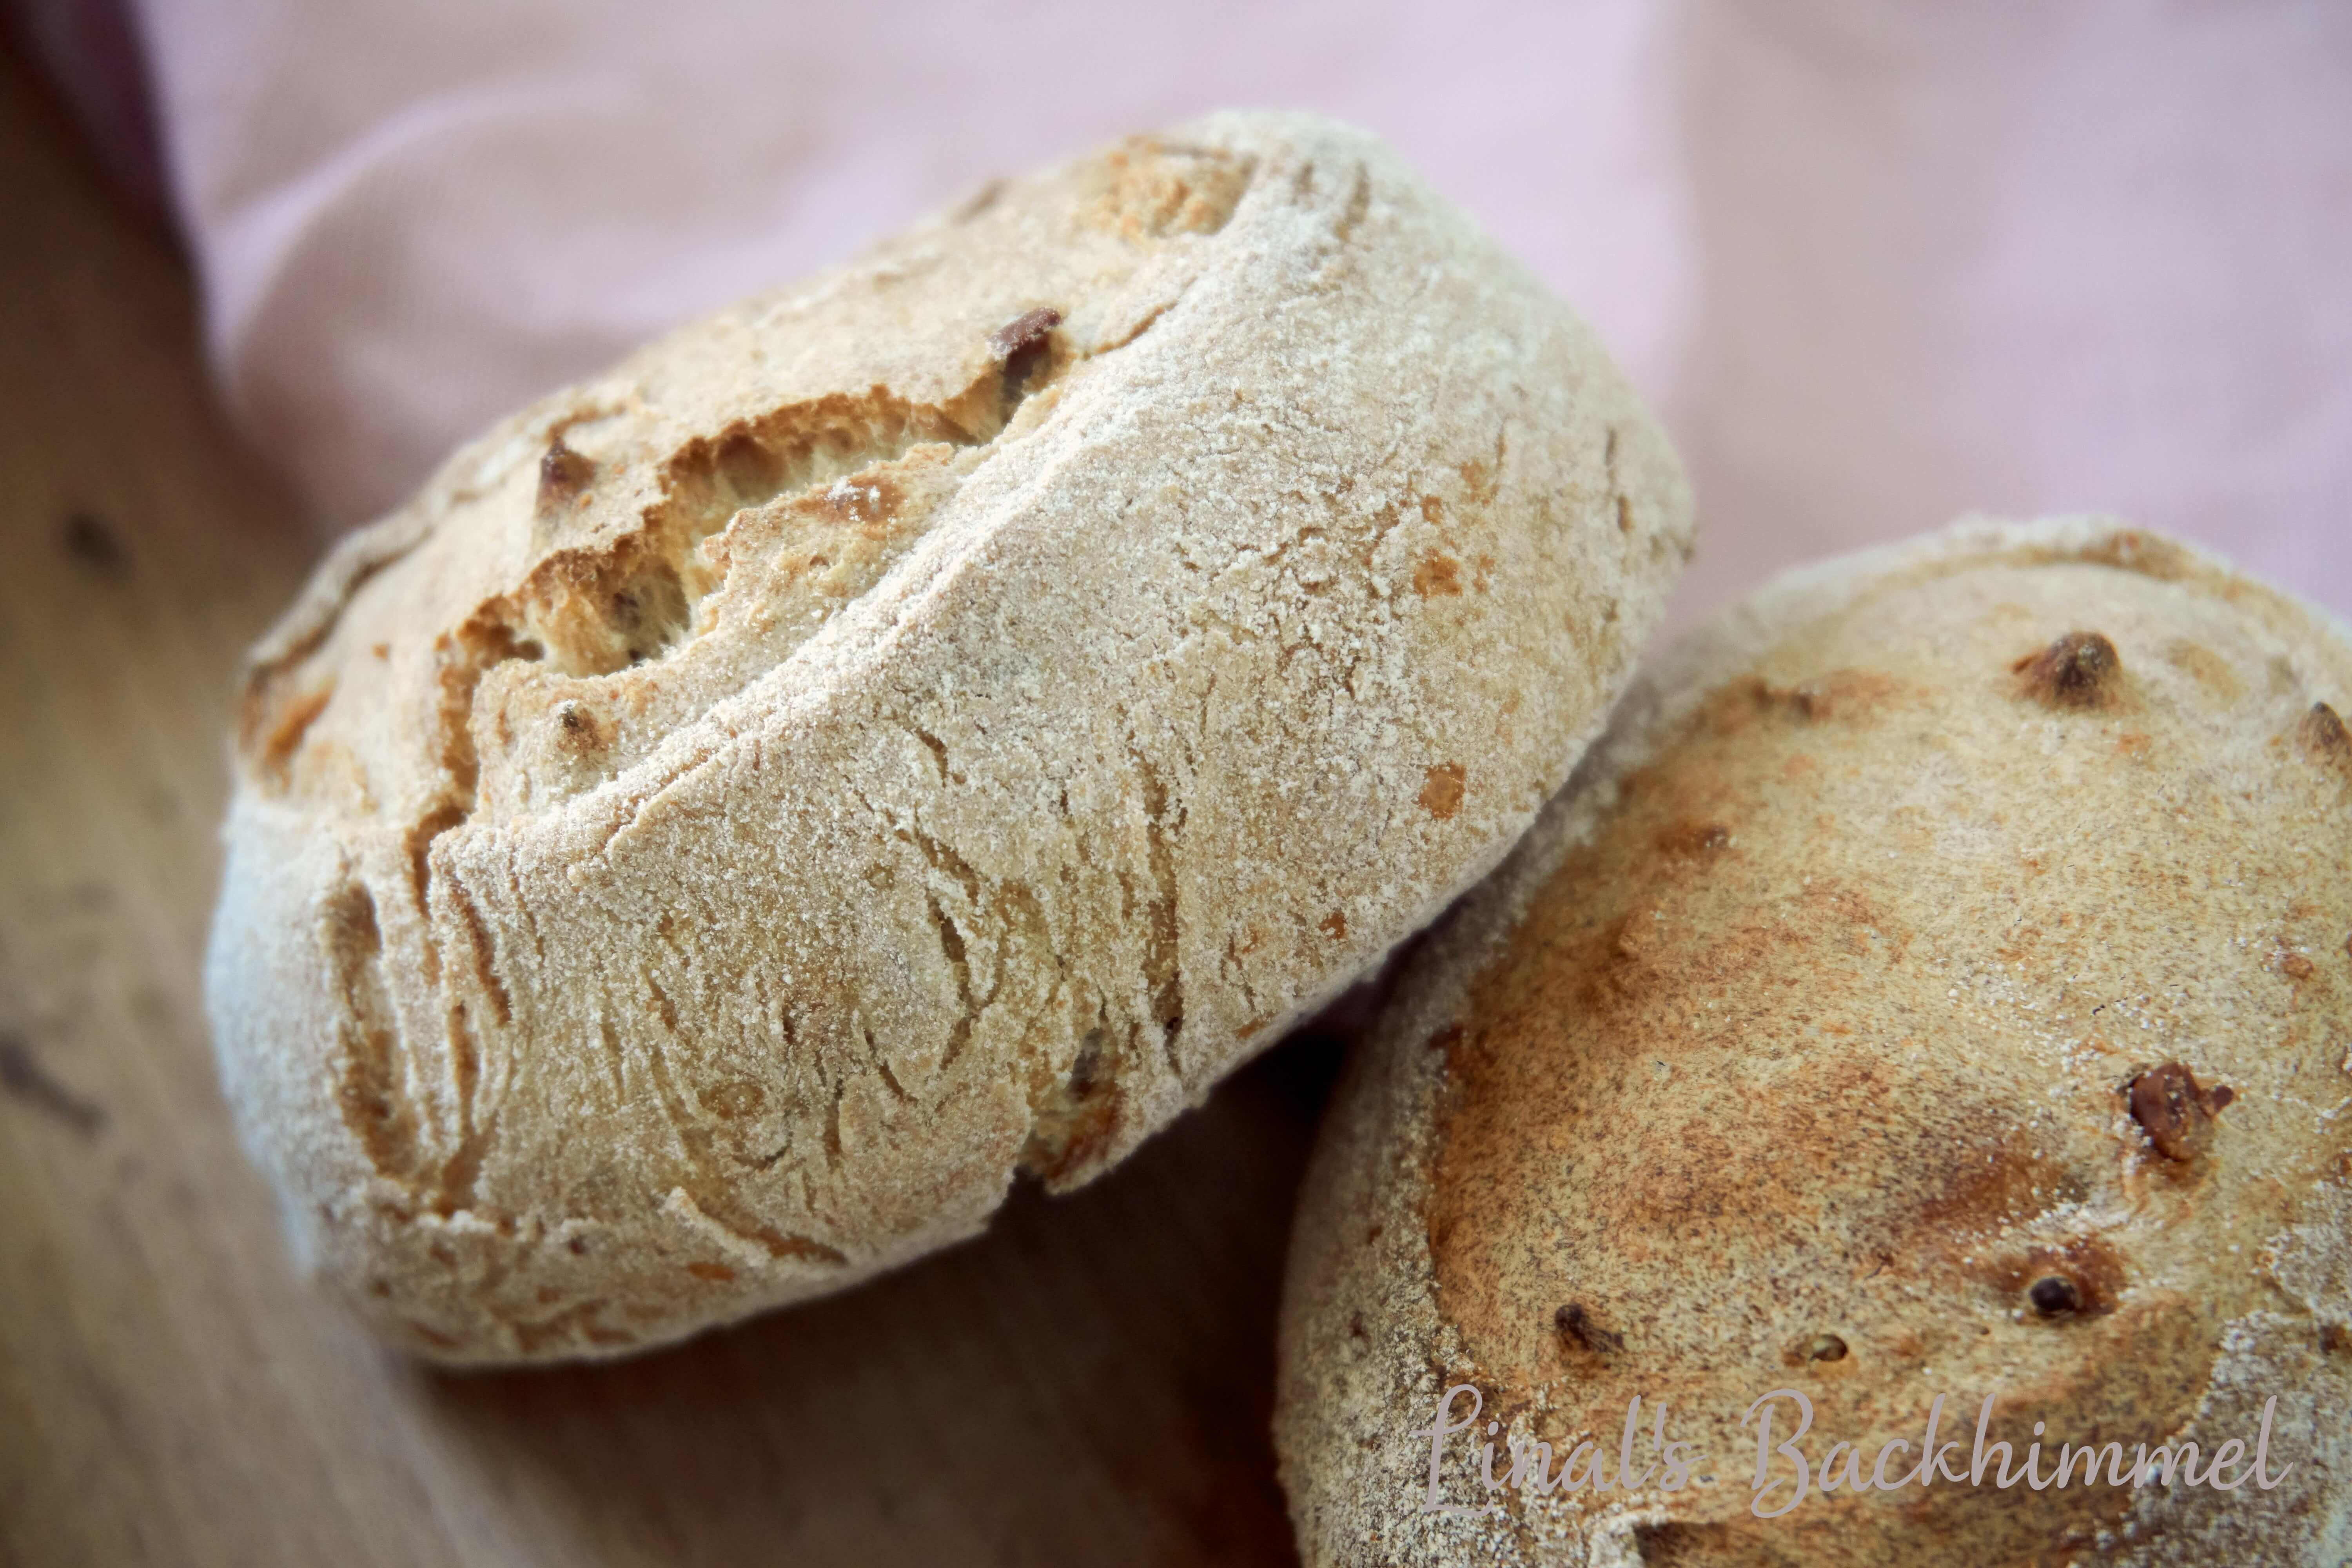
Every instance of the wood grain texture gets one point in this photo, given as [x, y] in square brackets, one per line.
[1089, 1383]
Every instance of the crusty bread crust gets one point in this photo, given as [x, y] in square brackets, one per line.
[1854, 1022]
[921, 726]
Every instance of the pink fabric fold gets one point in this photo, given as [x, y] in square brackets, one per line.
[1876, 265]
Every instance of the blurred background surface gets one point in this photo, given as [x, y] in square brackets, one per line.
[1876, 264]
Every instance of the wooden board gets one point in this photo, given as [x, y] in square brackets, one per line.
[1089, 1383]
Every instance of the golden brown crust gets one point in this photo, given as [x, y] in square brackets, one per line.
[1935, 984]
[922, 725]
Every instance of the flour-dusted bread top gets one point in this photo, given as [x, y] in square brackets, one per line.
[921, 726]
[1937, 982]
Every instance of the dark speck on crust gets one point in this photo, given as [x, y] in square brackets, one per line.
[562, 474]
[2323, 736]
[1026, 330]
[2175, 1112]
[1576, 1325]
[2053, 1296]
[2080, 669]
[1023, 345]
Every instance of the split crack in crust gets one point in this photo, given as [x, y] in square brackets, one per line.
[695, 854]
[589, 611]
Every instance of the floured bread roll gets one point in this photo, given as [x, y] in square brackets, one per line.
[921, 726]
[1935, 984]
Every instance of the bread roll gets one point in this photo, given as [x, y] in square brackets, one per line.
[919, 727]
[1937, 983]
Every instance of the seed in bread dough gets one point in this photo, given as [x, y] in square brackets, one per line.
[1575, 1323]
[563, 473]
[2080, 669]
[2324, 736]
[2175, 1112]
[2053, 1296]
[1026, 330]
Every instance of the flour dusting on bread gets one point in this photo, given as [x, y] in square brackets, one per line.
[1935, 984]
[921, 726]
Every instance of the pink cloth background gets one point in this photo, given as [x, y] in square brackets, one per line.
[1876, 264]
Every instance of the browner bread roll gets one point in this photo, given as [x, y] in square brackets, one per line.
[924, 725]
[1933, 987]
